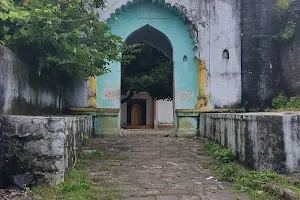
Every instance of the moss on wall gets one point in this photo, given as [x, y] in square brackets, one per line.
[20, 91]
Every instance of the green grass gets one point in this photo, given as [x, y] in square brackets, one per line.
[78, 186]
[252, 183]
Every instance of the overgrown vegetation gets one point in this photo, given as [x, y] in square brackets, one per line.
[282, 102]
[63, 40]
[288, 32]
[288, 27]
[151, 71]
[282, 6]
[79, 186]
[253, 183]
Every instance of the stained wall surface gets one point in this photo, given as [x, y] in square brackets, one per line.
[196, 29]
[264, 141]
[21, 93]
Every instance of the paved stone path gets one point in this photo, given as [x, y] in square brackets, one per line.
[162, 168]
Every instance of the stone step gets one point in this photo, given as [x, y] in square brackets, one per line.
[163, 132]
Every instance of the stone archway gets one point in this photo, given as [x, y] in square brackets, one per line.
[197, 32]
[126, 22]
[158, 112]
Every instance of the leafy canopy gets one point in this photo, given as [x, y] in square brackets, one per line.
[151, 71]
[62, 38]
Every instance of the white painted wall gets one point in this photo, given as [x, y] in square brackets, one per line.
[164, 111]
[219, 30]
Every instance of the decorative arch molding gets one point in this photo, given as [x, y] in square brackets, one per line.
[164, 45]
[125, 22]
[116, 7]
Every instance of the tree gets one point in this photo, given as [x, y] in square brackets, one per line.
[62, 38]
[151, 71]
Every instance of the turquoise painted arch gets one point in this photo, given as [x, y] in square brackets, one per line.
[125, 22]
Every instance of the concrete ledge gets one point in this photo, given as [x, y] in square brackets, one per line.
[94, 111]
[46, 146]
[267, 140]
[204, 110]
[106, 120]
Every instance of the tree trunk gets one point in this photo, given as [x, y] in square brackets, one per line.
[128, 97]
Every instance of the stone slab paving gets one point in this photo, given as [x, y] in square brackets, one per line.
[162, 168]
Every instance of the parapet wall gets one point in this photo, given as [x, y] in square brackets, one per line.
[263, 140]
[45, 146]
[21, 93]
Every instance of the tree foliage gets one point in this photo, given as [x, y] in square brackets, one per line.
[62, 38]
[151, 71]
[286, 23]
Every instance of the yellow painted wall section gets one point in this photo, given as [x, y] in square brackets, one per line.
[202, 93]
[93, 90]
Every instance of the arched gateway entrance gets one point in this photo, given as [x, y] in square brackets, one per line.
[162, 27]
[154, 61]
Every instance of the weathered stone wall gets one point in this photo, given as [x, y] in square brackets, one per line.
[290, 55]
[20, 92]
[46, 146]
[260, 52]
[262, 140]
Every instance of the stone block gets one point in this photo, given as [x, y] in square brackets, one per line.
[46, 146]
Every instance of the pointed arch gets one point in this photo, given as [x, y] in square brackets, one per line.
[152, 36]
[168, 25]
[178, 9]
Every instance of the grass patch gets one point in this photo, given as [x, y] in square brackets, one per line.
[78, 186]
[252, 183]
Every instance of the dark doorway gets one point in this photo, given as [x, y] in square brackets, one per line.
[131, 111]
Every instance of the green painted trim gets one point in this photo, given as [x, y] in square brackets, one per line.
[106, 124]
[231, 110]
[187, 114]
[113, 110]
[94, 111]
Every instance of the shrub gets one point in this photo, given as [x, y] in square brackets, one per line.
[280, 101]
